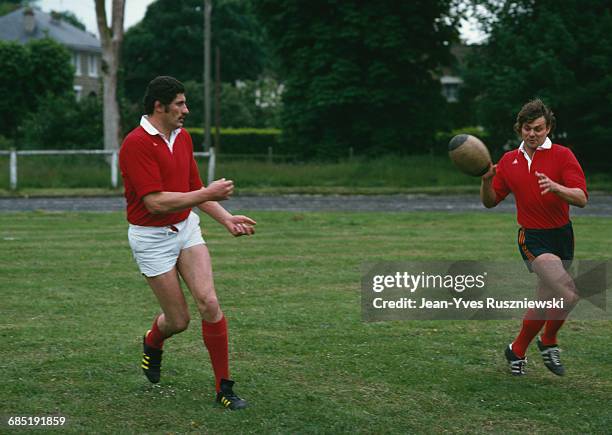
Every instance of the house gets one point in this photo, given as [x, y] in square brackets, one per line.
[28, 23]
[450, 79]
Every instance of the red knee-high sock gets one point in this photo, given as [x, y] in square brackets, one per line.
[155, 338]
[532, 323]
[215, 340]
[555, 319]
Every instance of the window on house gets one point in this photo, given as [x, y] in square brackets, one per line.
[78, 92]
[93, 66]
[76, 63]
[450, 88]
[451, 92]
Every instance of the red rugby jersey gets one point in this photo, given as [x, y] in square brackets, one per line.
[147, 165]
[534, 210]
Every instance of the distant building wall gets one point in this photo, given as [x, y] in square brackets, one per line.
[87, 76]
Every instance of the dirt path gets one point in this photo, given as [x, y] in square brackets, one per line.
[599, 205]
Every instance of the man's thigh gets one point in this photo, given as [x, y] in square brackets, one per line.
[167, 290]
[553, 276]
[195, 267]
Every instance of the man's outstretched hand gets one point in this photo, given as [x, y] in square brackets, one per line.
[240, 225]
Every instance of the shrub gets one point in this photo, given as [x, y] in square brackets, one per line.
[444, 137]
[63, 123]
[241, 140]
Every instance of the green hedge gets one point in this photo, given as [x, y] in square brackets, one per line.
[241, 140]
[442, 138]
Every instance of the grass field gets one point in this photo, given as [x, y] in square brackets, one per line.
[381, 175]
[74, 309]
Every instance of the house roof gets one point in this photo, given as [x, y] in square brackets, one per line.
[12, 28]
[459, 53]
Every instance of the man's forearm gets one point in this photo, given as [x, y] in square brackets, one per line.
[487, 194]
[172, 202]
[573, 196]
[215, 211]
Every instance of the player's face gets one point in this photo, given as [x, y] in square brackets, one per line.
[176, 112]
[534, 133]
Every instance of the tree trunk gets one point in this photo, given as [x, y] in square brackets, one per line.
[111, 39]
[218, 101]
[207, 36]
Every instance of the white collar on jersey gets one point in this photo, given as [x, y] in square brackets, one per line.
[149, 128]
[545, 146]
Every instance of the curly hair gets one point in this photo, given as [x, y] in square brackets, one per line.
[533, 110]
[163, 89]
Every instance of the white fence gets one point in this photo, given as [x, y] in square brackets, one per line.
[114, 163]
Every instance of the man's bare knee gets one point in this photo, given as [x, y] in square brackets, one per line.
[208, 306]
[570, 297]
[555, 280]
[178, 324]
[208, 302]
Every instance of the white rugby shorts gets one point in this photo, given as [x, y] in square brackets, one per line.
[156, 249]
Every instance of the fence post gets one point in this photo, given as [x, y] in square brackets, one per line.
[269, 154]
[351, 152]
[13, 169]
[114, 161]
[211, 165]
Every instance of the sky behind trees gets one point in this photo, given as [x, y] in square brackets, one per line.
[135, 10]
[86, 12]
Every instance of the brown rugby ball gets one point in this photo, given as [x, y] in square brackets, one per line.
[469, 154]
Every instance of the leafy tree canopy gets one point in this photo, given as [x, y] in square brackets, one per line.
[71, 18]
[8, 6]
[170, 41]
[558, 50]
[359, 74]
[60, 122]
[249, 103]
[25, 78]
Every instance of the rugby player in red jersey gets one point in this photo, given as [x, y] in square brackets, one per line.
[162, 184]
[545, 179]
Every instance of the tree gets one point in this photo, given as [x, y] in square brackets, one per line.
[47, 55]
[169, 41]
[77, 125]
[24, 78]
[254, 104]
[70, 18]
[14, 94]
[359, 74]
[111, 39]
[559, 50]
[8, 6]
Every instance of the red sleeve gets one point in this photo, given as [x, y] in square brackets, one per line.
[141, 169]
[500, 186]
[573, 176]
[195, 182]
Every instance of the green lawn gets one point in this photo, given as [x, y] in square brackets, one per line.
[74, 309]
[43, 175]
